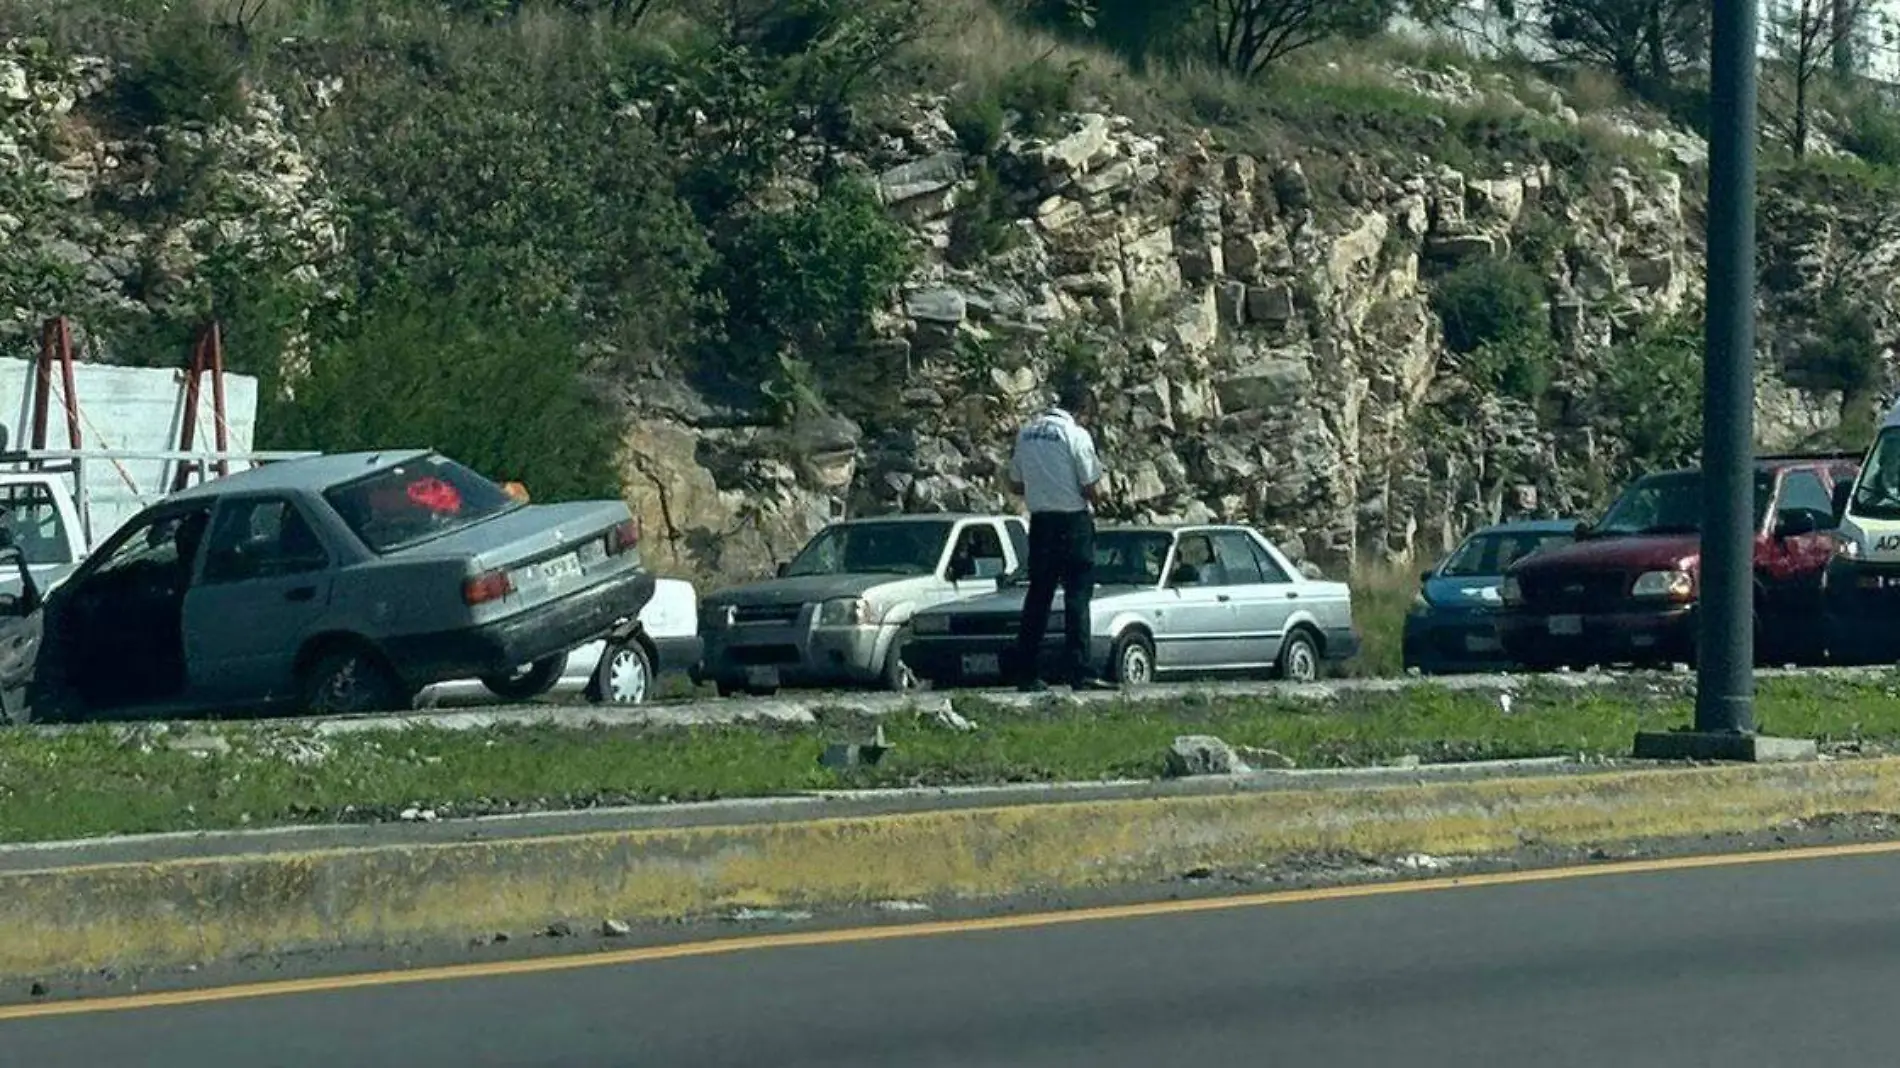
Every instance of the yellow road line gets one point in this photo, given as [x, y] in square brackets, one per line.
[892, 932]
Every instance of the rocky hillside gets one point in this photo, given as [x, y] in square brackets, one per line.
[1365, 343]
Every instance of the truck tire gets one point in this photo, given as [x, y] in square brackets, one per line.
[527, 683]
[349, 680]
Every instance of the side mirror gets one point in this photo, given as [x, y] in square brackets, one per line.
[782, 568]
[1424, 577]
[6, 537]
[1582, 531]
[1796, 523]
[1843, 495]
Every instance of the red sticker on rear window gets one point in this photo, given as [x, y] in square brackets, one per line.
[435, 495]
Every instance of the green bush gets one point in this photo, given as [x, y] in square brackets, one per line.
[1651, 396]
[185, 71]
[803, 283]
[1040, 93]
[497, 391]
[1519, 366]
[1871, 131]
[510, 178]
[1487, 302]
[982, 225]
[977, 120]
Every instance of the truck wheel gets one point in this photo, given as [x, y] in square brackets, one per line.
[350, 681]
[624, 677]
[528, 683]
[897, 677]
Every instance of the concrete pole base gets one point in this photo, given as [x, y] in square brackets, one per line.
[1739, 748]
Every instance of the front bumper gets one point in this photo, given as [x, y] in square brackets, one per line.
[678, 655]
[504, 645]
[1659, 635]
[795, 654]
[977, 658]
[1862, 612]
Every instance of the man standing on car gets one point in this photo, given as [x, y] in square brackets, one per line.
[1055, 469]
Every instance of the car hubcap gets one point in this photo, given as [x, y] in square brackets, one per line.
[1300, 666]
[627, 678]
[1135, 665]
[344, 684]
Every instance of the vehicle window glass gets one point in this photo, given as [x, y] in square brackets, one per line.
[1130, 557]
[1672, 504]
[1019, 540]
[1802, 491]
[412, 502]
[1194, 562]
[978, 555]
[168, 542]
[1877, 494]
[261, 539]
[30, 513]
[1486, 555]
[1235, 561]
[1270, 569]
[898, 547]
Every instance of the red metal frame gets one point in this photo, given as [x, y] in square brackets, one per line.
[207, 357]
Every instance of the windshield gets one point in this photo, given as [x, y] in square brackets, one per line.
[413, 502]
[29, 514]
[1130, 557]
[1672, 504]
[1485, 555]
[909, 547]
[1877, 494]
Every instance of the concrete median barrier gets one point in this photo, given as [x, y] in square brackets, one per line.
[194, 908]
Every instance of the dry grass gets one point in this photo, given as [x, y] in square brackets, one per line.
[974, 47]
[1382, 594]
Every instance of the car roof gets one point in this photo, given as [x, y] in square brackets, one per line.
[1171, 528]
[1771, 464]
[1529, 526]
[915, 517]
[311, 474]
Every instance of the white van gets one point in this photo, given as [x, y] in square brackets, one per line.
[1863, 578]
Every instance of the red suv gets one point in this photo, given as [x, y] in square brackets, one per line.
[1625, 591]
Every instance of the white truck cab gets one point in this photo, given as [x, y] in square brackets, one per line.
[1863, 578]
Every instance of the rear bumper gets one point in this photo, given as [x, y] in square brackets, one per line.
[506, 644]
[678, 655]
[1341, 643]
[1660, 635]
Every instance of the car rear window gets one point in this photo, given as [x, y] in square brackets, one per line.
[413, 502]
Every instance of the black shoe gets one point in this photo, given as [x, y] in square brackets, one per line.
[1092, 684]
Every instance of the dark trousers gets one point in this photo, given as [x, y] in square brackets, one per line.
[1061, 553]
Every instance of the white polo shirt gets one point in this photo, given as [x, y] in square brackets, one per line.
[1054, 459]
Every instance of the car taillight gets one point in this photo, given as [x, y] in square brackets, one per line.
[483, 589]
[623, 536]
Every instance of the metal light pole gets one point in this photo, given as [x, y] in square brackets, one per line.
[1725, 691]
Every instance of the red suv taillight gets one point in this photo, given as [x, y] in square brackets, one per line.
[483, 589]
[623, 536]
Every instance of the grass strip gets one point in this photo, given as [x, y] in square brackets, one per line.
[100, 781]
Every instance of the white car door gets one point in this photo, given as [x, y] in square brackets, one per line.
[1263, 597]
[1197, 607]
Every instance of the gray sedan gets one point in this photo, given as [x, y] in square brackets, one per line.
[332, 584]
[1178, 600]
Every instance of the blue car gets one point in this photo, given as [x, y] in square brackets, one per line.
[1452, 626]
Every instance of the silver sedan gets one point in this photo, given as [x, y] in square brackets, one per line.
[1173, 600]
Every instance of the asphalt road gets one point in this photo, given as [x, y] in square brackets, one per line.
[1789, 962]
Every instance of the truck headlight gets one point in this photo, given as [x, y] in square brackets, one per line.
[1510, 591]
[717, 615]
[1846, 548]
[930, 624]
[848, 612]
[1675, 585]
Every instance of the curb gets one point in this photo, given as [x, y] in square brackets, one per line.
[197, 910]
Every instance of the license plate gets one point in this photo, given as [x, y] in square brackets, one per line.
[1570, 626]
[558, 570]
[1481, 643]
[982, 664]
[764, 678]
